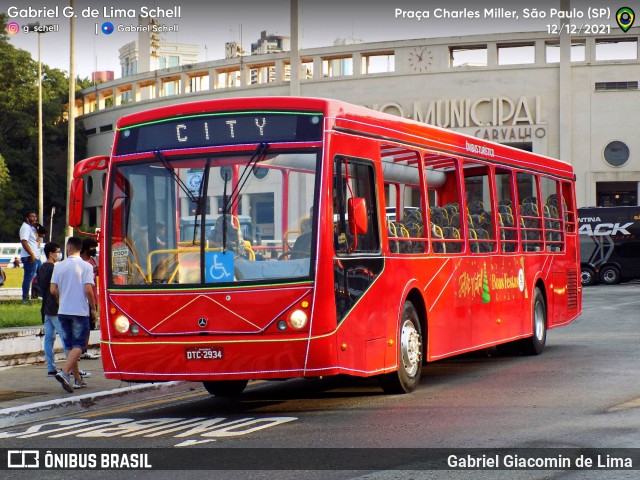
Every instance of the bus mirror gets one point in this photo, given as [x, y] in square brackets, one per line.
[76, 194]
[76, 201]
[357, 216]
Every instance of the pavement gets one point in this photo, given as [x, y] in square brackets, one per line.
[28, 394]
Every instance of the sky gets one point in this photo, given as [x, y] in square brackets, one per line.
[210, 23]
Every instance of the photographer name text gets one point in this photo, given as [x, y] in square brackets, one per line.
[90, 12]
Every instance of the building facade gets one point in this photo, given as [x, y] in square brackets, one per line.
[510, 88]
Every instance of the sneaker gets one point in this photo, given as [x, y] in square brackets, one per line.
[89, 356]
[84, 373]
[52, 373]
[63, 378]
[79, 383]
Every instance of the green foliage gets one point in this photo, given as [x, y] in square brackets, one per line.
[19, 139]
[14, 314]
[5, 178]
[14, 278]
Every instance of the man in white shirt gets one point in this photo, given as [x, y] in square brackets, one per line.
[30, 253]
[72, 282]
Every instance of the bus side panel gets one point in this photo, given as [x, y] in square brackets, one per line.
[500, 296]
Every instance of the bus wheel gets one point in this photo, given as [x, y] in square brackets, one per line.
[610, 275]
[587, 276]
[226, 388]
[407, 377]
[534, 345]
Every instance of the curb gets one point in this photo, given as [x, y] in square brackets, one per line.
[20, 346]
[35, 411]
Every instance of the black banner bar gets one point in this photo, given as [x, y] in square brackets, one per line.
[319, 459]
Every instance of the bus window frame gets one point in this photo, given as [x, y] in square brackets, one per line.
[316, 148]
[373, 210]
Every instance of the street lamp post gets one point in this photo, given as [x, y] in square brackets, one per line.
[34, 27]
[72, 113]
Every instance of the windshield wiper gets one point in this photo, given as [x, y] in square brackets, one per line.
[258, 155]
[176, 177]
[184, 188]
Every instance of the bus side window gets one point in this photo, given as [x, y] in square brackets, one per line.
[530, 215]
[506, 215]
[479, 208]
[354, 178]
[554, 236]
[445, 223]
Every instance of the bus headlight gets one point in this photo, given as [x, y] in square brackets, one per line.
[298, 319]
[121, 324]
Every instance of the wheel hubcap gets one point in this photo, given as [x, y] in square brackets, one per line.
[539, 321]
[411, 348]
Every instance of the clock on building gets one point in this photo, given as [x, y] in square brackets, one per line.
[420, 59]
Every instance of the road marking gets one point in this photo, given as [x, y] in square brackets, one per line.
[635, 403]
[133, 406]
[186, 431]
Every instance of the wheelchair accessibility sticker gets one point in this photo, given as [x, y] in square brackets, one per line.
[218, 267]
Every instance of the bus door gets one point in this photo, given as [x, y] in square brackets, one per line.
[357, 261]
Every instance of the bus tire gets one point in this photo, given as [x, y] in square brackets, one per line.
[226, 388]
[587, 276]
[534, 345]
[610, 275]
[407, 377]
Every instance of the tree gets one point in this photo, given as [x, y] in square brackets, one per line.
[19, 137]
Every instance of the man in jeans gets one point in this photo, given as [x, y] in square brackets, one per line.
[30, 253]
[49, 308]
[72, 282]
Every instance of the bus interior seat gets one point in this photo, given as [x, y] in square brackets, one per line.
[437, 236]
[452, 233]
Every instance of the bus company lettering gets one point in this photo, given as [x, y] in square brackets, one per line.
[480, 149]
[504, 282]
[470, 285]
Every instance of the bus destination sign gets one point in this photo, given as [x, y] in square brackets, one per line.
[220, 129]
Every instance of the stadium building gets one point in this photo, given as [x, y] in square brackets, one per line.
[573, 98]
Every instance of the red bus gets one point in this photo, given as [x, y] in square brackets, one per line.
[480, 248]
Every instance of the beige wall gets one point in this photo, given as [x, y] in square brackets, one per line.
[597, 118]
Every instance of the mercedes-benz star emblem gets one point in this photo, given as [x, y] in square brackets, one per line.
[202, 322]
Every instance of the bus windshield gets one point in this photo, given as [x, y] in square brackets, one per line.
[212, 220]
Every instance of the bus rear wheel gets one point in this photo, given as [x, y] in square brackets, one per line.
[407, 377]
[226, 388]
[534, 345]
[587, 276]
[610, 275]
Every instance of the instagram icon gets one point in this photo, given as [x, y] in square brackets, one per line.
[13, 28]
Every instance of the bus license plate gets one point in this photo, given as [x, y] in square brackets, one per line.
[203, 353]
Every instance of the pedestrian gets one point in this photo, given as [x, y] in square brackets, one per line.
[72, 283]
[30, 253]
[88, 254]
[3, 276]
[41, 233]
[49, 307]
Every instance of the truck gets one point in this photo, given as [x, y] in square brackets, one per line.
[609, 244]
